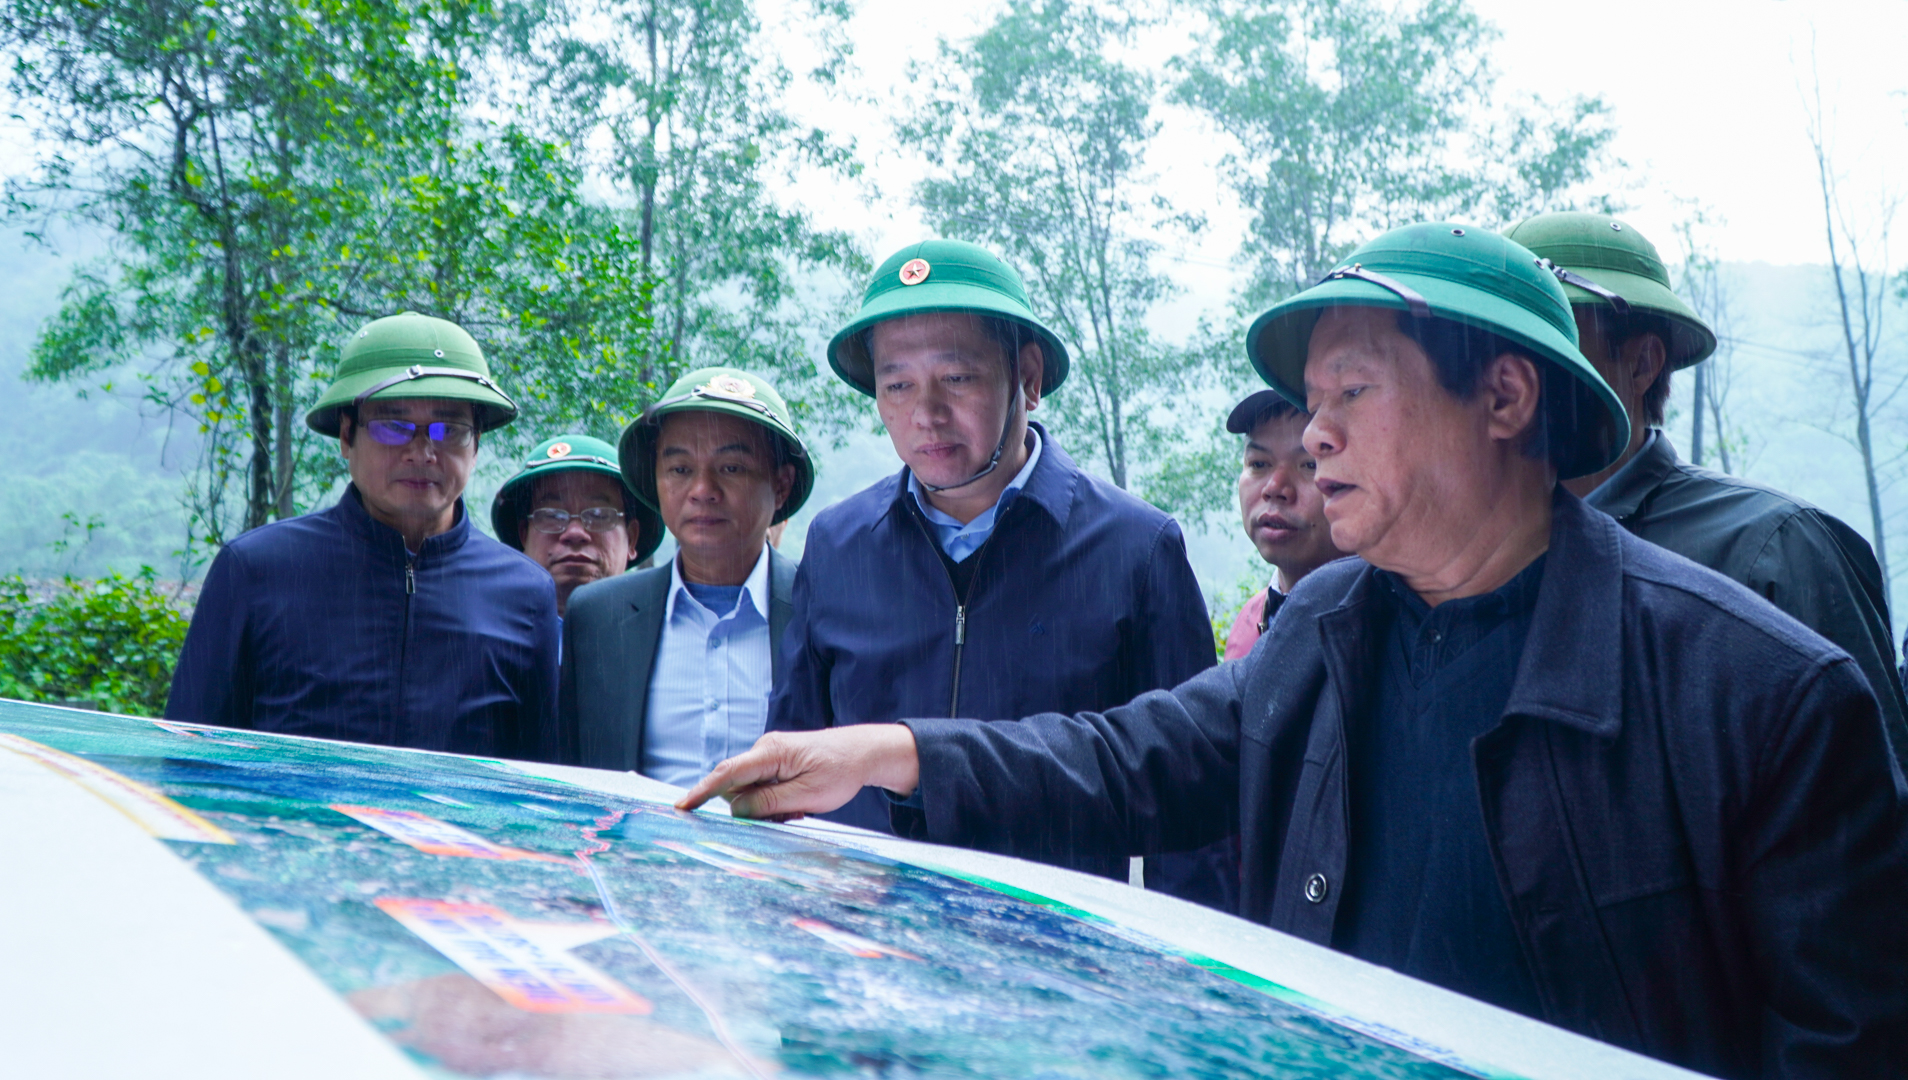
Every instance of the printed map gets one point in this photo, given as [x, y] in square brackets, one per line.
[491, 923]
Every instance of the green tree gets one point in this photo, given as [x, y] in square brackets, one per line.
[1349, 117]
[680, 101]
[275, 172]
[1346, 118]
[1037, 130]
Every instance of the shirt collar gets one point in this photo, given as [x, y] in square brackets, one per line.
[1007, 495]
[1623, 491]
[754, 590]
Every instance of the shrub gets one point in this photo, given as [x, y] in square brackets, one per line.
[112, 642]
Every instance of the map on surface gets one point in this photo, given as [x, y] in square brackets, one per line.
[491, 923]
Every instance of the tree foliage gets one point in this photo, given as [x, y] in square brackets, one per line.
[1346, 118]
[110, 642]
[1349, 117]
[275, 172]
[1038, 129]
[678, 103]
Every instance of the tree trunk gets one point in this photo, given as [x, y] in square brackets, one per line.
[282, 390]
[1696, 419]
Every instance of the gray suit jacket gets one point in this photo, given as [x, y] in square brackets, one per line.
[610, 635]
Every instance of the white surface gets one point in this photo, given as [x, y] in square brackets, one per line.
[119, 960]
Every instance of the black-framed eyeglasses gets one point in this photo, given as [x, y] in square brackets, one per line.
[400, 432]
[596, 519]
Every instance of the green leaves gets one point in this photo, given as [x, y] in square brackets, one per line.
[1039, 137]
[111, 642]
[1351, 116]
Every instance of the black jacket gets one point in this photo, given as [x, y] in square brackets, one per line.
[1688, 800]
[1804, 561]
[610, 636]
[324, 625]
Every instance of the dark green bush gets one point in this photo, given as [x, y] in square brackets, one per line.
[112, 642]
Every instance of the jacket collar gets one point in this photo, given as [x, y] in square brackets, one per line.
[1572, 669]
[1571, 672]
[385, 540]
[1622, 495]
[1050, 487]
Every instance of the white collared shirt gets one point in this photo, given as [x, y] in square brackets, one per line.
[958, 539]
[709, 688]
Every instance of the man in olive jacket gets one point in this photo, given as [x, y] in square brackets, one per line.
[1511, 749]
[1799, 558]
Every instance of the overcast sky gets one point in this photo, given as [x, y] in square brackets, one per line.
[1706, 98]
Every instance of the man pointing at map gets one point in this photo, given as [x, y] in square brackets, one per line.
[1511, 750]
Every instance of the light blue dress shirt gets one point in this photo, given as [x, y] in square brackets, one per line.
[958, 540]
[709, 688]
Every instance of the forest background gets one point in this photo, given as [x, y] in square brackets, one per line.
[205, 197]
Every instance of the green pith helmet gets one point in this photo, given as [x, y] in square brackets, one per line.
[564, 453]
[723, 390]
[1467, 275]
[1613, 265]
[945, 276]
[411, 356]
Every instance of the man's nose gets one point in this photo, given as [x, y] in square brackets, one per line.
[574, 531]
[703, 486]
[1321, 436]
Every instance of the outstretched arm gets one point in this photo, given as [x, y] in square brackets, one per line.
[789, 775]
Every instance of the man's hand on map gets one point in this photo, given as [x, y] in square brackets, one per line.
[787, 776]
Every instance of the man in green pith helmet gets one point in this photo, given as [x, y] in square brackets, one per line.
[570, 511]
[991, 577]
[1804, 561]
[1510, 749]
[668, 670]
[386, 618]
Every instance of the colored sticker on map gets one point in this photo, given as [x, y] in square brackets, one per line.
[526, 964]
[852, 944]
[154, 812]
[434, 837]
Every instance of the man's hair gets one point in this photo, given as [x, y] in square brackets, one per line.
[1618, 330]
[1460, 353]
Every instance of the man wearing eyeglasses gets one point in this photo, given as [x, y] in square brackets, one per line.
[569, 510]
[668, 670]
[385, 618]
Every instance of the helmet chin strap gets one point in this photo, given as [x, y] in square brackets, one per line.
[1013, 400]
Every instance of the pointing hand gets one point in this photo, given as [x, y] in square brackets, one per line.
[788, 775]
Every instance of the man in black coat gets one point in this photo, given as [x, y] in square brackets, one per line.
[1798, 557]
[1512, 749]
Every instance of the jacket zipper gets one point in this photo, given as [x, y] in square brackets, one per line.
[960, 606]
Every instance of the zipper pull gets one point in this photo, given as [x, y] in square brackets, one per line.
[960, 624]
[410, 578]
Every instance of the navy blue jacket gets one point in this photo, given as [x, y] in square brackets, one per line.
[324, 625]
[1688, 800]
[1081, 599]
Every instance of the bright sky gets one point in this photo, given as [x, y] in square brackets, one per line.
[1706, 96]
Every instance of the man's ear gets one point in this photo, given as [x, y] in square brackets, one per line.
[1033, 371]
[1513, 388]
[1647, 357]
[784, 485]
[346, 430]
